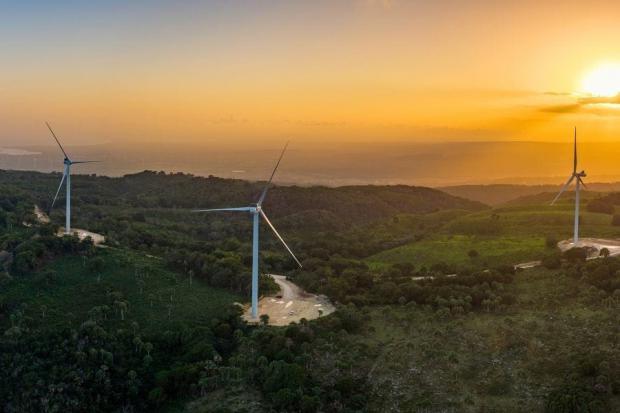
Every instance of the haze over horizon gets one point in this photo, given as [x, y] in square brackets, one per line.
[383, 91]
[337, 163]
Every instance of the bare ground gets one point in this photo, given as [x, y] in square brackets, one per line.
[595, 245]
[291, 304]
[81, 233]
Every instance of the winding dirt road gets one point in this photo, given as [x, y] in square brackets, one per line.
[291, 305]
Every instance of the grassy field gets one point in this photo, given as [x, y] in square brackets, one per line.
[155, 297]
[485, 362]
[507, 235]
[454, 250]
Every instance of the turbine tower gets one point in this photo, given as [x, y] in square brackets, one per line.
[578, 182]
[258, 212]
[66, 175]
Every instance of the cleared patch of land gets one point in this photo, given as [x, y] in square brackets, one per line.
[291, 304]
[43, 218]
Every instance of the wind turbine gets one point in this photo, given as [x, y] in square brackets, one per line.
[578, 182]
[258, 212]
[66, 175]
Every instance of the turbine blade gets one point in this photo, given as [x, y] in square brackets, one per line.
[582, 183]
[575, 153]
[57, 141]
[279, 237]
[563, 189]
[74, 162]
[64, 175]
[264, 193]
[224, 209]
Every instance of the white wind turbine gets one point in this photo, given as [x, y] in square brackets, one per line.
[66, 175]
[578, 182]
[257, 212]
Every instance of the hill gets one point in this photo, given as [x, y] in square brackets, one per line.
[522, 230]
[337, 207]
[501, 193]
[146, 324]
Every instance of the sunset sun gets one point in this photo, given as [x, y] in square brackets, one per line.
[603, 81]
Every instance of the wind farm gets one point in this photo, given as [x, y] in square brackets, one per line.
[426, 244]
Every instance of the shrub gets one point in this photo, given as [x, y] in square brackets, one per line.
[552, 262]
[599, 205]
[551, 241]
[573, 398]
[576, 254]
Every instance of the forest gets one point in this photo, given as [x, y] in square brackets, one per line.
[431, 313]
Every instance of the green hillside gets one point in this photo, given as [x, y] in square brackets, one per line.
[79, 287]
[506, 235]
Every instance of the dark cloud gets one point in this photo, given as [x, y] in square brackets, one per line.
[557, 93]
[568, 108]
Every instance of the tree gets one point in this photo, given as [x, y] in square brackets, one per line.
[96, 265]
[552, 262]
[121, 306]
[576, 254]
[264, 319]
[141, 284]
[551, 241]
[473, 254]
[604, 252]
[600, 206]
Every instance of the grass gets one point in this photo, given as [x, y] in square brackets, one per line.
[454, 250]
[508, 235]
[157, 298]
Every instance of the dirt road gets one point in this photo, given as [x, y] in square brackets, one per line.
[291, 305]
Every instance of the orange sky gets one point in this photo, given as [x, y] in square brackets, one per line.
[323, 70]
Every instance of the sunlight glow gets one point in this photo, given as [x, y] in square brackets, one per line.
[603, 81]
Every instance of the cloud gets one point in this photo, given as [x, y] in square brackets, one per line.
[17, 152]
[568, 108]
[598, 105]
[591, 100]
[558, 93]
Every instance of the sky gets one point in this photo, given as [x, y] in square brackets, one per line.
[257, 72]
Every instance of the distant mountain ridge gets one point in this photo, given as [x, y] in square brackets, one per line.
[302, 206]
[497, 194]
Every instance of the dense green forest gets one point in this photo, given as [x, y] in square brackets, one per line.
[431, 314]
